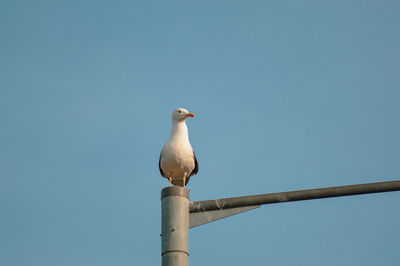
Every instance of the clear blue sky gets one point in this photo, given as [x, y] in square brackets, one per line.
[288, 95]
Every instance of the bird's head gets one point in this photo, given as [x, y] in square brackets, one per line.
[180, 114]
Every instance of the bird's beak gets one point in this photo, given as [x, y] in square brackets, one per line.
[189, 115]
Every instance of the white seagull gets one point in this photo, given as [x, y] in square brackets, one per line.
[178, 161]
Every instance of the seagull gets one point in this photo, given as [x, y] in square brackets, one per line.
[178, 161]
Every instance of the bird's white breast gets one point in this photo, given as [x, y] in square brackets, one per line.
[177, 159]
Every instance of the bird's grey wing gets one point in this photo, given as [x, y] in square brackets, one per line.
[195, 170]
[196, 165]
[159, 165]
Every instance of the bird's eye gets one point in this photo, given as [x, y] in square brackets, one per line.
[179, 111]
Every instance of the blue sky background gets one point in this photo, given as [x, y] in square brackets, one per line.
[288, 95]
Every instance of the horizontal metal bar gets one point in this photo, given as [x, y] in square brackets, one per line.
[308, 194]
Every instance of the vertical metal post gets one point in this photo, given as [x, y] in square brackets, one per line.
[175, 226]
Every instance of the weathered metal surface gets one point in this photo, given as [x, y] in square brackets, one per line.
[175, 226]
[199, 218]
[175, 191]
[308, 194]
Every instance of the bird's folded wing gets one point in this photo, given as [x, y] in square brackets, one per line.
[159, 165]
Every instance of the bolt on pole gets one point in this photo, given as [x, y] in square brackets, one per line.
[175, 226]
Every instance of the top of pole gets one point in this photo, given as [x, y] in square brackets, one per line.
[175, 191]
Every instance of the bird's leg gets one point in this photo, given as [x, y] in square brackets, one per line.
[184, 180]
[170, 180]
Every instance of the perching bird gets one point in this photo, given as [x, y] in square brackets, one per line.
[177, 159]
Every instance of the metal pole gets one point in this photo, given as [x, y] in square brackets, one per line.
[227, 203]
[175, 226]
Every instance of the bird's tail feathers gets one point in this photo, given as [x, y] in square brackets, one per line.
[179, 182]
